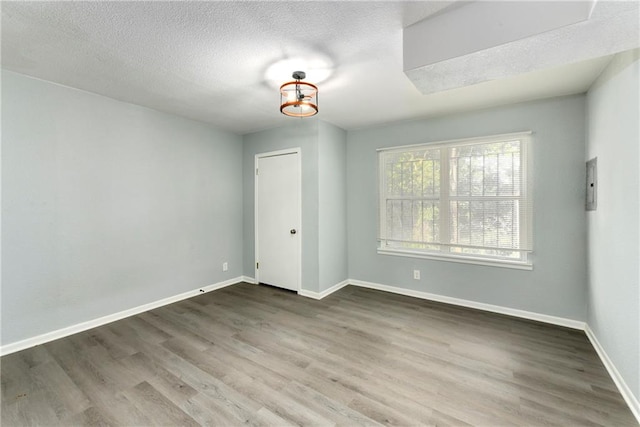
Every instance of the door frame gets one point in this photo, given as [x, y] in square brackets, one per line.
[298, 152]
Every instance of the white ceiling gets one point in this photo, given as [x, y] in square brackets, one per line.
[209, 60]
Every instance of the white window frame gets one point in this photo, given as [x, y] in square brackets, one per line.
[525, 215]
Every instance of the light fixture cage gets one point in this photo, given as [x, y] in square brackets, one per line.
[298, 98]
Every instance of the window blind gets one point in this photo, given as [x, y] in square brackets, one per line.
[466, 197]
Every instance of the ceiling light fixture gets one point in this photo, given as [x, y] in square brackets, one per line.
[299, 99]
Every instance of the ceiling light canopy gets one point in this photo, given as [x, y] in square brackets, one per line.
[298, 98]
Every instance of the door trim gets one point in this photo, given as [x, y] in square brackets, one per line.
[298, 152]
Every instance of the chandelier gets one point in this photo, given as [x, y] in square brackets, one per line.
[298, 98]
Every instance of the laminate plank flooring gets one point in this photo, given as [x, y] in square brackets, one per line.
[259, 355]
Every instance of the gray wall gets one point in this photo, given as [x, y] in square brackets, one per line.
[303, 134]
[614, 229]
[324, 198]
[332, 184]
[108, 205]
[556, 286]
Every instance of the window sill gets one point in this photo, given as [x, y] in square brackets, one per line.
[518, 265]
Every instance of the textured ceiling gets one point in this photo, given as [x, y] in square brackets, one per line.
[214, 61]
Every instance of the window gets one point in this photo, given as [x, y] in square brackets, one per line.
[466, 200]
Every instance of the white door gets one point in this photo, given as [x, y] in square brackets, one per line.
[278, 219]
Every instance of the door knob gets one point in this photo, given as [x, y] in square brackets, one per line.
[293, 231]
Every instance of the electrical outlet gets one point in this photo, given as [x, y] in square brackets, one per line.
[225, 266]
[416, 274]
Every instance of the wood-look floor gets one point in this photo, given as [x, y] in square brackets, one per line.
[258, 355]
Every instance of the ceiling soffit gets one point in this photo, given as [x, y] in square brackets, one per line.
[485, 41]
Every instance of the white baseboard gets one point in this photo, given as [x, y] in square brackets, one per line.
[628, 396]
[326, 292]
[90, 324]
[625, 391]
[560, 321]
